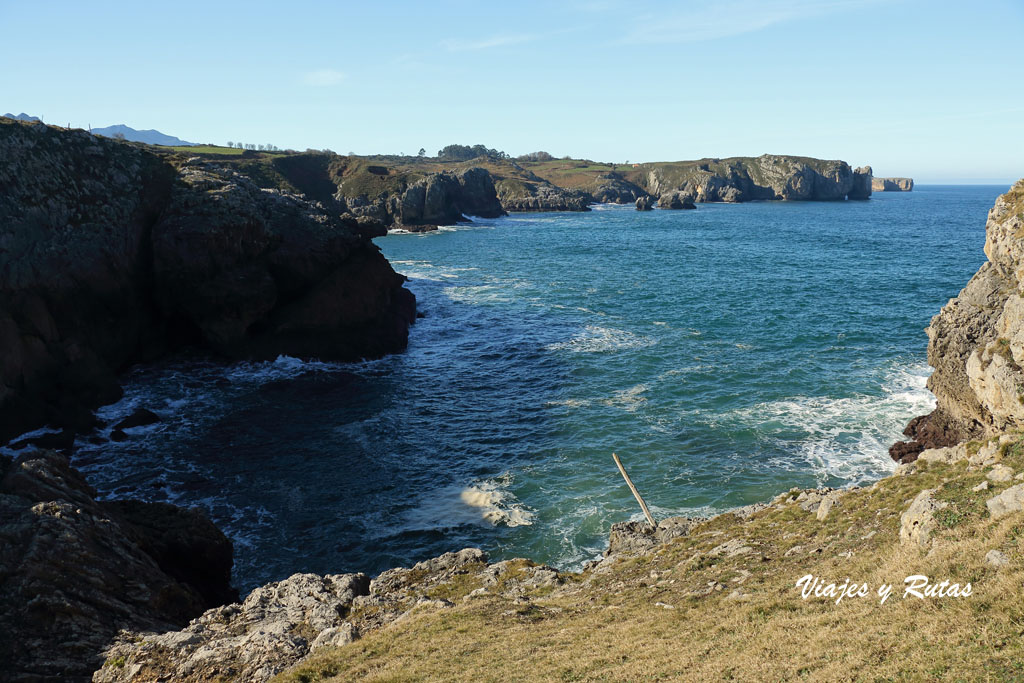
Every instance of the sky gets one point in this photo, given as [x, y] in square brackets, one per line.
[923, 88]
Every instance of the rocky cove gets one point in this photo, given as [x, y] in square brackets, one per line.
[259, 284]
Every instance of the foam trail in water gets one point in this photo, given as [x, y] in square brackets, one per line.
[594, 339]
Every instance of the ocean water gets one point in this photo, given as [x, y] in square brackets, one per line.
[726, 354]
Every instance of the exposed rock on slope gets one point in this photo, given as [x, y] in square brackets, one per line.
[892, 184]
[110, 256]
[280, 624]
[73, 571]
[976, 343]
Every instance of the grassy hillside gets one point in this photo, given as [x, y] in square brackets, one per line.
[722, 603]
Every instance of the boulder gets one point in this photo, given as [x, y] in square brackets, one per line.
[637, 538]
[918, 523]
[644, 203]
[1006, 503]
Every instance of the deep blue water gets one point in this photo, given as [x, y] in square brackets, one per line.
[726, 354]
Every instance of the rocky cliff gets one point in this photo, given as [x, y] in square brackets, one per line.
[75, 571]
[110, 254]
[769, 176]
[976, 344]
[892, 184]
[424, 202]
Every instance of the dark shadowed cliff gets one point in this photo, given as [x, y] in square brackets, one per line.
[110, 255]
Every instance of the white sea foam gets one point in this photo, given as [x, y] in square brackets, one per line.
[594, 339]
[487, 501]
[848, 438]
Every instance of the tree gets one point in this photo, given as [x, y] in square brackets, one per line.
[464, 153]
[230, 144]
[535, 156]
[421, 153]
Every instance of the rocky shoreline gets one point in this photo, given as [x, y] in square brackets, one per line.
[117, 255]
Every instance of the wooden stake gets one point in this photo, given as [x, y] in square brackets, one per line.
[643, 505]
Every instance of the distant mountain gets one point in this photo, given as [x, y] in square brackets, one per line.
[23, 117]
[150, 137]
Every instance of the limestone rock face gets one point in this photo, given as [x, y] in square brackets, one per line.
[541, 196]
[862, 183]
[976, 342]
[73, 571]
[768, 176]
[892, 184]
[612, 188]
[112, 255]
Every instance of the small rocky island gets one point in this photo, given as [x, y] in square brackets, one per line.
[892, 184]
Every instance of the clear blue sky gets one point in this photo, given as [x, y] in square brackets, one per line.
[930, 89]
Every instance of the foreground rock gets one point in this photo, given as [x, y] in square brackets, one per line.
[280, 624]
[976, 343]
[74, 571]
[892, 184]
[112, 255]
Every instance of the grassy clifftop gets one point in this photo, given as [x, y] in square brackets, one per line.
[722, 602]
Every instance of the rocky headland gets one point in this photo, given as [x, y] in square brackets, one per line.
[892, 184]
[419, 194]
[113, 255]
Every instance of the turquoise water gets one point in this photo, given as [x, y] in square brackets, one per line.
[726, 354]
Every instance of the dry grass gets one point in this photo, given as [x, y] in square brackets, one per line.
[609, 627]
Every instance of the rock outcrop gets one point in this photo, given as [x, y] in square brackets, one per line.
[540, 195]
[976, 343]
[280, 624]
[676, 199]
[862, 183]
[443, 198]
[612, 188]
[768, 176]
[74, 571]
[111, 255]
[645, 203]
[892, 184]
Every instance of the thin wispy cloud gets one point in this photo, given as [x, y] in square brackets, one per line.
[323, 77]
[711, 20]
[487, 43]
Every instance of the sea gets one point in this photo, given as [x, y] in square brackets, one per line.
[726, 354]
